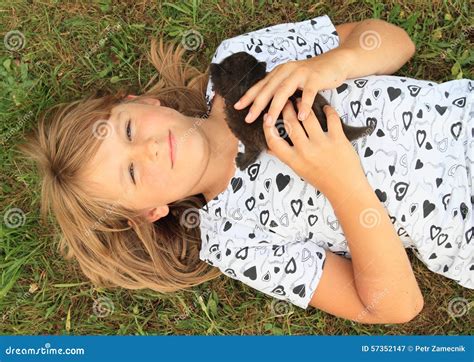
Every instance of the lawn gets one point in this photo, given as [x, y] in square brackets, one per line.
[73, 49]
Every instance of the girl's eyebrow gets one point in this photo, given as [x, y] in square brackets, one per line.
[121, 177]
[122, 172]
[114, 114]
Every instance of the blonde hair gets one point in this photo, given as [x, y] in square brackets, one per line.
[163, 255]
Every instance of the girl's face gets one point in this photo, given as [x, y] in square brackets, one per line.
[133, 165]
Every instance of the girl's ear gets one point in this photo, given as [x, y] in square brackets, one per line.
[154, 214]
[153, 101]
[157, 213]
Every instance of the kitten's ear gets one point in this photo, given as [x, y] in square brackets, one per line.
[216, 69]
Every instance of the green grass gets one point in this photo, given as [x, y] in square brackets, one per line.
[54, 67]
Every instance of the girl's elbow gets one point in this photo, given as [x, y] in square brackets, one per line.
[403, 36]
[406, 313]
[409, 44]
[412, 312]
[411, 47]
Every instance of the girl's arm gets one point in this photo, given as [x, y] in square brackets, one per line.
[371, 47]
[381, 282]
[381, 272]
[378, 284]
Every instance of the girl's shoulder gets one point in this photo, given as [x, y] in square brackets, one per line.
[279, 44]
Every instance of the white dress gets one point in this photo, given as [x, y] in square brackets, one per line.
[270, 229]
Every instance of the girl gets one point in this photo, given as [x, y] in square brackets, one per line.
[147, 195]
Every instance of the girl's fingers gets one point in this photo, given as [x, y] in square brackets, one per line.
[250, 94]
[277, 145]
[264, 96]
[282, 93]
[293, 127]
[311, 125]
[309, 94]
[334, 122]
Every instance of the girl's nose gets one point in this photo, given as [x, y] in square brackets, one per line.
[151, 150]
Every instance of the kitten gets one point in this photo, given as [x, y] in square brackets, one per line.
[232, 78]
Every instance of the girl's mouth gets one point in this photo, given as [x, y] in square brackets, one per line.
[172, 145]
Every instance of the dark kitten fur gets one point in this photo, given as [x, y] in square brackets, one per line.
[232, 78]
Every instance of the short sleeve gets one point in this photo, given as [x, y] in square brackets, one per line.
[280, 43]
[285, 270]
[283, 42]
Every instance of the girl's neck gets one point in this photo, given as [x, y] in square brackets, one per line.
[224, 148]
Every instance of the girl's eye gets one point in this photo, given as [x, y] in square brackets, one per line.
[132, 174]
[129, 136]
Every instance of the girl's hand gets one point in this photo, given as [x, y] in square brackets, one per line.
[326, 160]
[326, 71]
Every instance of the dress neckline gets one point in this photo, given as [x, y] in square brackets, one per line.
[240, 148]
